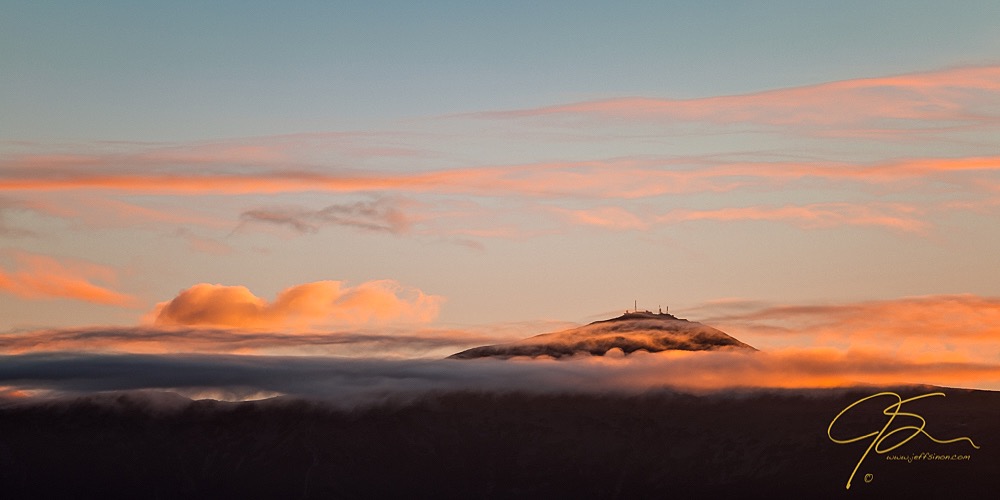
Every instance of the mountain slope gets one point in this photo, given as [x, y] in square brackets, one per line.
[630, 332]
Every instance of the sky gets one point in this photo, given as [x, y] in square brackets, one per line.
[403, 180]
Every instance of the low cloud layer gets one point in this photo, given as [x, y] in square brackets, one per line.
[351, 380]
[298, 308]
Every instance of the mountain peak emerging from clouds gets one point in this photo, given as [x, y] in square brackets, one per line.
[630, 332]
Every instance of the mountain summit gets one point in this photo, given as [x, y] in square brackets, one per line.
[630, 332]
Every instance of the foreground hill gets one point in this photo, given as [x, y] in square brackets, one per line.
[755, 444]
[630, 332]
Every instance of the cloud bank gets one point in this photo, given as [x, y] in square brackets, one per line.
[948, 340]
[352, 380]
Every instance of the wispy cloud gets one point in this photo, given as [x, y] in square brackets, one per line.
[39, 277]
[89, 210]
[625, 178]
[203, 244]
[298, 308]
[129, 184]
[817, 215]
[241, 153]
[959, 97]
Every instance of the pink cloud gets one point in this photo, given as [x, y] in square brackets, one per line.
[817, 215]
[608, 217]
[618, 178]
[44, 277]
[300, 308]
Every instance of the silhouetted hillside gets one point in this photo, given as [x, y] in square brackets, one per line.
[764, 444]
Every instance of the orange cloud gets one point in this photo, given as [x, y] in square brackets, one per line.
[43, 277]
[300, 307]
[800, 368]
[930, 328]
